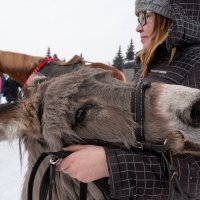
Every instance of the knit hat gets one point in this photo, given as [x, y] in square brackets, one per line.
[162, 7]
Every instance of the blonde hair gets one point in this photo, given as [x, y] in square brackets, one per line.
[161, 29]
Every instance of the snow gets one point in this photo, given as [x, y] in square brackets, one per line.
[11, 171]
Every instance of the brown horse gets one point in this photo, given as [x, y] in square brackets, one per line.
[20, 66]
[89, 104]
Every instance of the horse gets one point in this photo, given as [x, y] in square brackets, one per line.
[89, 105]
[20, 66]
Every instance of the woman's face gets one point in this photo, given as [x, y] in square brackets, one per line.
[146, 28]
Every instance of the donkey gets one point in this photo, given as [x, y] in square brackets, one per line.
[90, 104]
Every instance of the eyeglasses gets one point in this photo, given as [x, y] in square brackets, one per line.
[142, 17]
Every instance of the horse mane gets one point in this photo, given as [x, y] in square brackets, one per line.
[74, 60]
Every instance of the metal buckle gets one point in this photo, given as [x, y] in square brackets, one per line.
[139, 145]
[53, 160]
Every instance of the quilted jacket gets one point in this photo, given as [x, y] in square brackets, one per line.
[143, 175]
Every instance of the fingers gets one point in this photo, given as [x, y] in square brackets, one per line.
[63, 164]
[87, 163]
[66, 166]
[73, 148]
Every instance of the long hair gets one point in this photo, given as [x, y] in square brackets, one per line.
[161, 29]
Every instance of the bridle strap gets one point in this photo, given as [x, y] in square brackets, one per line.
[45, 188]
[83, 191]
[48, 177]
[138, 108]
[33, 174]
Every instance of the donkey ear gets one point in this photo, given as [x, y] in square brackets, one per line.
[17, 120]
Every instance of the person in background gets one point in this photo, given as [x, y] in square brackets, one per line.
[4, 78]
[1, 85]
[11, 90]
[170, 34]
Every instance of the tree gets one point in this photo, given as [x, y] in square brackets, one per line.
[118, 61]
[49, 52]
[130, 51]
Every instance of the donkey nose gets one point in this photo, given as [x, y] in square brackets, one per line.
[195, 114]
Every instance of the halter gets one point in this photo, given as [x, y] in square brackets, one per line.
[138, 108]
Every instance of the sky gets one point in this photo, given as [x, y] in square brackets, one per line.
[93, 28]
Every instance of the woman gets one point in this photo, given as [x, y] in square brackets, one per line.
[170, 34]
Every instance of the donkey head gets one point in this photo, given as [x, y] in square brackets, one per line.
[90, 104]
[70, 108]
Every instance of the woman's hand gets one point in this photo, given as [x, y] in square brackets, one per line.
[86, 164]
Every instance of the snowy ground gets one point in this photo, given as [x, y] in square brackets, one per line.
[11, 172]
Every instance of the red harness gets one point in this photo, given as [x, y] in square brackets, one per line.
[46, 60]
[37, 69]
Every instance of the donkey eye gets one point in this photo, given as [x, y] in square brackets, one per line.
[81, 112]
